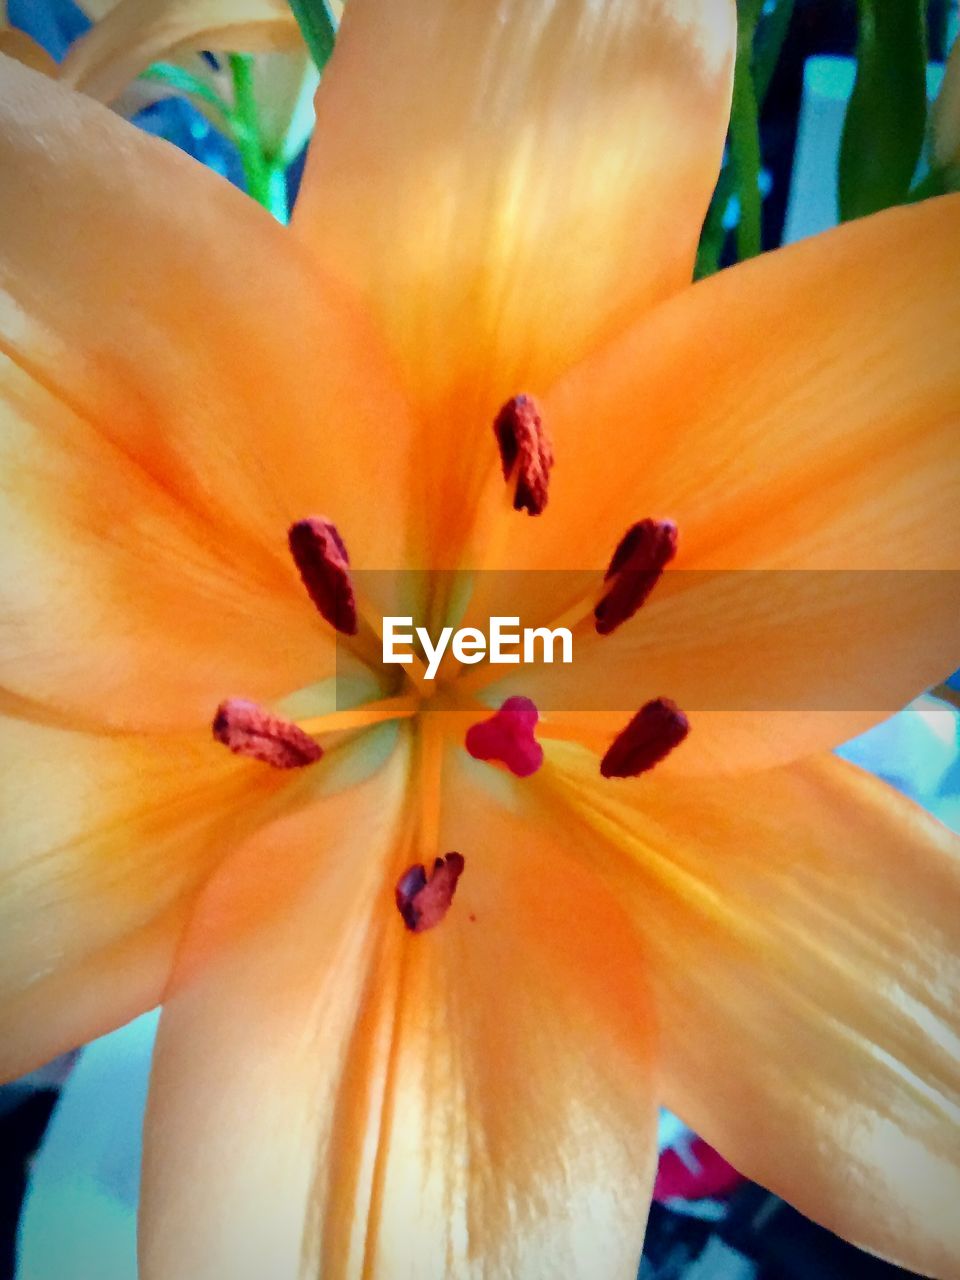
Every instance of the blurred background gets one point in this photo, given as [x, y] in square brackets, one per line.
[811, 133]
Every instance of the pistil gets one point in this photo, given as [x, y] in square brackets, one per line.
[525, 451]
[508, 737]
[250, 730]
[657, 728]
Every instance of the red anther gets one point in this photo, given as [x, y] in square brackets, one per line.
[651, 735]
[525, 447]
[508, 737]
[643, 553]
[321, 558]
[249, 730]
[424, 900]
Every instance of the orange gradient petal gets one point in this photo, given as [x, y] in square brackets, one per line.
[797, 411]
[17, 44]
[104, 841]
[355, 1098]
[802, 930]
[769, 666]
[825, 444]
[508, 184]
[176, 391]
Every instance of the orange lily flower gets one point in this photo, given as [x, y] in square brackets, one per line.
[126, 36]
[499, 200]
[131, 34]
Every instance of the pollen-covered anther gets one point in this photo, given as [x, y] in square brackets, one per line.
[526, 451]
[249, 730]
[657, 728]
[424, 900]
[641, 556]
[508, 737]
[321, 558]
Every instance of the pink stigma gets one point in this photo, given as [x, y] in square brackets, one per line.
[508, 737]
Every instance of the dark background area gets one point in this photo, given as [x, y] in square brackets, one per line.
[817, 27]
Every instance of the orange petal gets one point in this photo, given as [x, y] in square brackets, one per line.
[831, 448]
[333, 1094]
[797, 411]
[769, 666]
[134, 33]
[803, 931]
[104, 841]
[17, 44]
[177, 388]
[508, 184]
[97, 9]
[722, 742]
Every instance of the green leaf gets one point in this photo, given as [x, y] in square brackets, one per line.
[264, 176]
[884, 129]
[768, 45]
[771, 32]
[183, 81]
[316, 21]
[745, 150]
[937, 182]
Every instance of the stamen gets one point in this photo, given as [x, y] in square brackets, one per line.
[250, 730]
[508, 737]
[642, 555]
[424, 900]
[525, 446]
[321, 558]
[651, 735]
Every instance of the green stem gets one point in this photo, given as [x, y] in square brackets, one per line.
[938, 182]
[745, 145]
[767, 47]
[932, 184]
[316, 22]
[182, 81]
[714, 234]
[264, 178]
[278, 202]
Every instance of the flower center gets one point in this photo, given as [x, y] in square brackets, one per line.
[507, 736]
